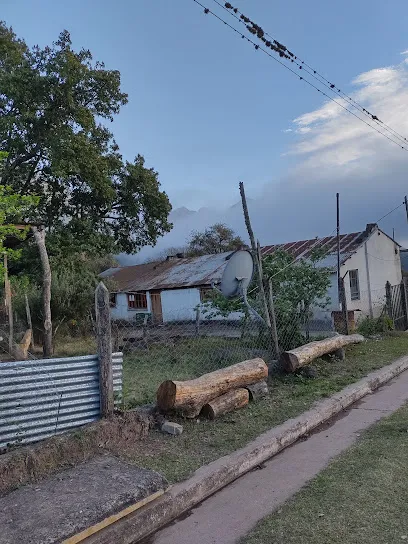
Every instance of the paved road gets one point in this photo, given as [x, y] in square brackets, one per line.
[231, 513]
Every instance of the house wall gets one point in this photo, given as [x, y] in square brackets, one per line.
[384, 264]
[180, 304]
[121, 310]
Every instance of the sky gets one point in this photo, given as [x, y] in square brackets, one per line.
[207, 110]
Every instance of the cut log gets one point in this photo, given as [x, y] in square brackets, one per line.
[257, 390]
[302, 355]
[233, 400]
[190, 396]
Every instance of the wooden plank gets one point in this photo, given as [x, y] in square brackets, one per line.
[86, 533]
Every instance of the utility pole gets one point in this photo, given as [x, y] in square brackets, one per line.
[406, 205]
[338, 246]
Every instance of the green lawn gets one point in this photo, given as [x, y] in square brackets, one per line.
[362, 497]
[204, 441]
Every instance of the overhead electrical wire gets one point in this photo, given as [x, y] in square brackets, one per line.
[256, 30]
[258, 47]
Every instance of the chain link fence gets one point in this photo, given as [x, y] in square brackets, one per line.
[181, 348]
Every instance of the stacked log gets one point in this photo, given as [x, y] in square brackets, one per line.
[233, 400]
[301, 356]
[189, 397]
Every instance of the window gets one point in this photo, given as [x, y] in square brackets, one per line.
[137, 301]
[354, 285]
[112, 300]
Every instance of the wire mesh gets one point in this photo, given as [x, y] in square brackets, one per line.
[182, 347]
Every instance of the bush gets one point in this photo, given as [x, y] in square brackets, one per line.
[378, 325]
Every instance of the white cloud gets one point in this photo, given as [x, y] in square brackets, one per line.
[404, 52]
[340, 139]
[335, 152]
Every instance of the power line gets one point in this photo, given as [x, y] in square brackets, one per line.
[260, 33]
[389, 213]
[258, 47]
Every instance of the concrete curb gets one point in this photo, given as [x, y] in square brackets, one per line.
[213, 477]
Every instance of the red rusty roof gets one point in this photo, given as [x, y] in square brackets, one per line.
[349, 243]
[170, 274]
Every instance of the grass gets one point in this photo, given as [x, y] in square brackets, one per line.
[183, 359]
[204, 441]
[361, 497]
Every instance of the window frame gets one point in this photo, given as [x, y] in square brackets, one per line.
[138, 300]
[354, 282]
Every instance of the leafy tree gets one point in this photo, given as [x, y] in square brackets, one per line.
[13, 209]
[215, 239]
[55, 103]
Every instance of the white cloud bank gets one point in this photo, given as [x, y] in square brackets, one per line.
[334, 151]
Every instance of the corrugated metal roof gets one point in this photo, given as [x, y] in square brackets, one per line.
[171, 274]
[349, 243]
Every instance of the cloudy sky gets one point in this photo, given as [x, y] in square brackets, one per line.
[208, 111]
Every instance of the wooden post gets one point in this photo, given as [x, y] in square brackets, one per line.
[388, 300]
[39, 235]
[404, 303]
[9, 306]
[271, 308]
[104, 343]
[256, 255]
[29, 320]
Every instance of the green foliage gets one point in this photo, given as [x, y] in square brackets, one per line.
[215, 239]
[54, 105]
[297, 286]
[74, 280]
[378, 325]
[14, 209]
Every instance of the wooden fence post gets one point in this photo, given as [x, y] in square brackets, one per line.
[29, 320]
[104, 342]
[271, 308]
[404, 303]
[388, 300]
[9, 307]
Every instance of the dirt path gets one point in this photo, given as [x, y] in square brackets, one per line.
[228, 515]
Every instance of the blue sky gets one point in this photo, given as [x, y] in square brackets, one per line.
[207, 110]
[204, 108]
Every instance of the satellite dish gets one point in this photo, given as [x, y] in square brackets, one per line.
[237, 274]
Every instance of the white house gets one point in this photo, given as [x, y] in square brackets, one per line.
[169, 290]
[368, 260]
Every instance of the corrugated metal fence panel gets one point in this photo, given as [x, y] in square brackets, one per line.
[43, 397]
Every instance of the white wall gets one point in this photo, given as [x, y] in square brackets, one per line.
[180, 304]
[383, 265]
[121, 310]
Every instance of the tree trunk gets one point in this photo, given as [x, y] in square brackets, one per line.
[188, 397]
[233, 400]
[39, 235]
[302, 355]
[257, 390]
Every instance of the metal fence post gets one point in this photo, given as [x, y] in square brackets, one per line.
[104, 343]
[404, 303]
[388, 300]
[344, 306]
